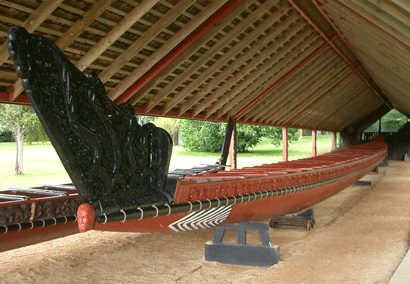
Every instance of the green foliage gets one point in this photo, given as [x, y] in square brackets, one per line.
[274, 134]
[171, 125]
[23, 119]
[391, 122]
[202, 136]
[36, 133]
[208, 136]
[6, 136]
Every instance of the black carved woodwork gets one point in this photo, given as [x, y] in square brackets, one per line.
[112, 160]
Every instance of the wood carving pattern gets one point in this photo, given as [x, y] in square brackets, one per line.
[112, 160]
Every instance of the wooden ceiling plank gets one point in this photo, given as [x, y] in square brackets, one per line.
[400, 69]
[334, 46]
[349, 7]
[277, 79]
[378, 48]
[303, 50]
[148, 36]
[207, 56]
[350, 22]
[178, 52]
[315, 92]
[389, 48]
[250, 66]
[380, 10]
[73, 32]
[311, 81]
[254, 49]
[336, 101]
[249, 38]
[315, 100]
[32, 22]
[342, 108]
[114, 34]
[357, 110]
[403, 4]
[163, 50]
[30, 10]
[248, 77]
[387, 79]
[331, 101]
[290, 86]
[186, 54]
[78, 27]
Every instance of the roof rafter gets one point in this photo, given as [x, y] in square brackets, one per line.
[177, 50]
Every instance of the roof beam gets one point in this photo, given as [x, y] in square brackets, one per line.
[73, 32]
[225, 58]
[343, 107]
[231, 36]
[277, 65]
[313, 83]
[32, 22]
[296, 65]
[177, 50]
[341, 100]
[330, 103]
[336, 48]
[184, 55]
[247, 77]
[164, 50]
[375, 22]
[356, 112]
[315, 100]
[126, 23]
[249, 66]
[150, 34]
[271, 103]
[322, 84]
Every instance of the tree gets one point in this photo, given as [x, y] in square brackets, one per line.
[390, 122]
[22, 122]
[202, 136]
[208, 136]
[274, 134]
[171, 125]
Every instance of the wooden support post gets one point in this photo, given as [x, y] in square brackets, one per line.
[314, 153]
[285, 144]
[232, 150]
[333, 141]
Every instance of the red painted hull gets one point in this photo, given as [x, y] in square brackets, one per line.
[209, 200]
[33, 236]
[328, 180]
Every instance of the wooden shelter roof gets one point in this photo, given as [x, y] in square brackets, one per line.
[315, 64]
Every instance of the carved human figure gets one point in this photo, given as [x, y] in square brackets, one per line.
[85, 217]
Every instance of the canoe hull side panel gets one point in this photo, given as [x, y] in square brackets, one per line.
[241, 212]
[12, 240]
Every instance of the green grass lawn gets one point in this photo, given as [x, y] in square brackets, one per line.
[42, 165]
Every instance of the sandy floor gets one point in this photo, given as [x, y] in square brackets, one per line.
[360, 236]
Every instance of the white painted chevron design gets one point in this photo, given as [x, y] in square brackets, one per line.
[203, 219]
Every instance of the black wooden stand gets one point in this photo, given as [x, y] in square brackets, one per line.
[241, 253]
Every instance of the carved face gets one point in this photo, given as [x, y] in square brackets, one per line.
[85, 217]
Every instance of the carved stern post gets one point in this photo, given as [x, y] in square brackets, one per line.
[113, 161]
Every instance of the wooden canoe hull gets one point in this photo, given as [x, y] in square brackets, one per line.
[222, 198]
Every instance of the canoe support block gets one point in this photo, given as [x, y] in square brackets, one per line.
[241, 253]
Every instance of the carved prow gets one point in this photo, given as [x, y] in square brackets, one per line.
[113, 162]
